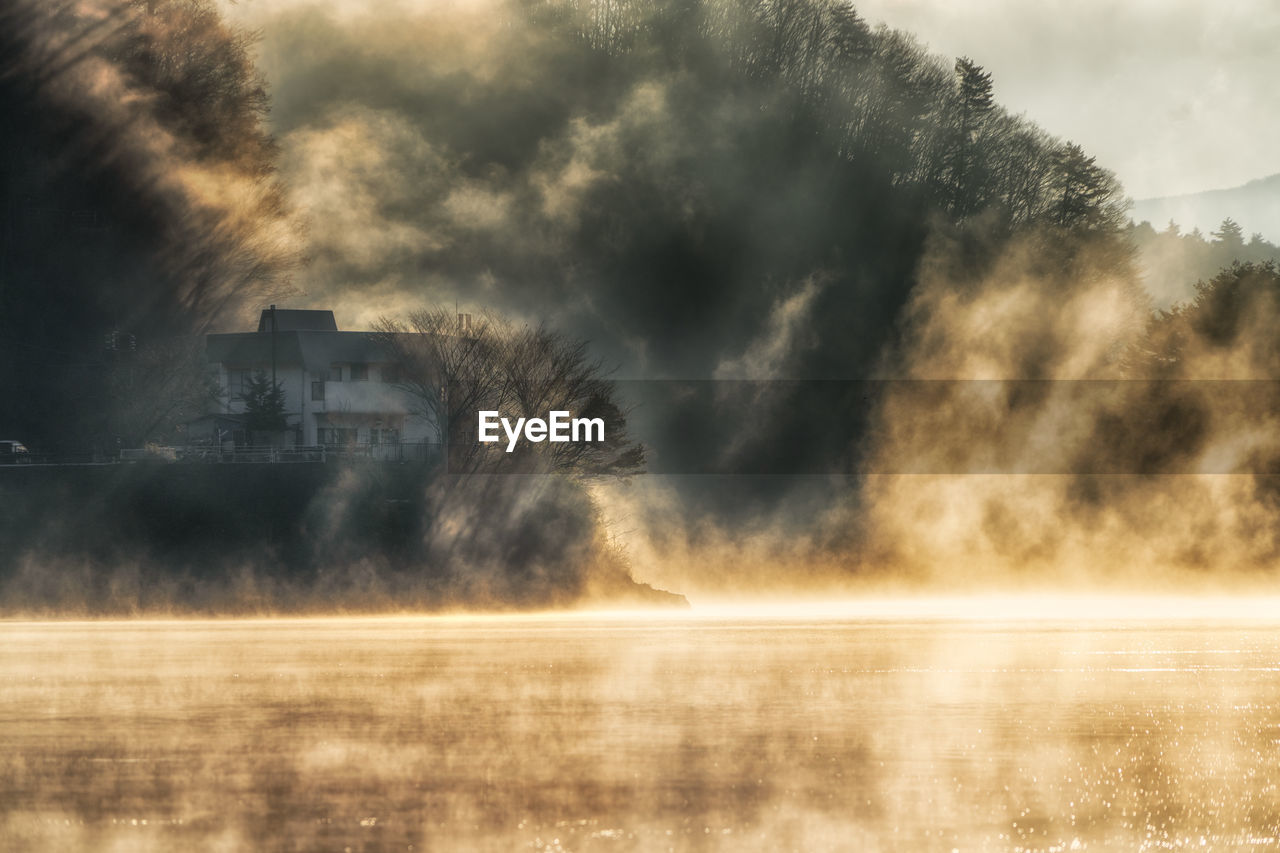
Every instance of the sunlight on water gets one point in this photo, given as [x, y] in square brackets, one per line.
[974, 724]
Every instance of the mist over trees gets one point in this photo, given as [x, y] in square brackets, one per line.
[707, 189]
[152, 393]
[703, 189]
[1227, 331]
[1174, 260]
[137, 201]
[660, 177]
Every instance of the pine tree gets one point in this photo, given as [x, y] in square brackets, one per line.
[263, 404]
[1230, 234]
[974, 104]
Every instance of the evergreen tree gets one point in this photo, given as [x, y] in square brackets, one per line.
[1230, 234]
[263, 404]
[974, 104]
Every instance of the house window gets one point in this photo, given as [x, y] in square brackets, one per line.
[359, 372]
[317, 390]
[238, 382]
[335, 370]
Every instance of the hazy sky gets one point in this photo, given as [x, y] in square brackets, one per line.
[1175, 96]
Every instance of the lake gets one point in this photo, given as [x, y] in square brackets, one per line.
[748, 729]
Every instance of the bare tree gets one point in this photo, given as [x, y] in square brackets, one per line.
[455, 371]
[159, 387]
[543, 371]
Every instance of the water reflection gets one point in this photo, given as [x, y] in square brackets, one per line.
[646, 733]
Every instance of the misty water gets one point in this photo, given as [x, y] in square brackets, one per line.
[633, 732]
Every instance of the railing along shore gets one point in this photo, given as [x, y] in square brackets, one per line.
[255, 454]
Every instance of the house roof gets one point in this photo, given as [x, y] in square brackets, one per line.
[296, 320]
[308, 339]
[252, 348]
[313, 350]
[320, 349]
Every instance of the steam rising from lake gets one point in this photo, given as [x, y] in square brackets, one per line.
[892, 726]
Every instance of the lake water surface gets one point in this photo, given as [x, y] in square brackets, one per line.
[725, 730]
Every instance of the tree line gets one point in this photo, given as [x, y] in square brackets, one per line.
[1173, 260]
[868, 94]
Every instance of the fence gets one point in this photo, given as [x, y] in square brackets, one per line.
[265, 454]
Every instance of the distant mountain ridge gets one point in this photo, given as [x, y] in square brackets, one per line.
[1255, 205]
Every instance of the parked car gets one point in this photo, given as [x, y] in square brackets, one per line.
[14, 453]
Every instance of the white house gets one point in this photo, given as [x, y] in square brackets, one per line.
[340, 387]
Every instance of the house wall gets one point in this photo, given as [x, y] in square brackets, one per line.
[363, 405]
[372, 406]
